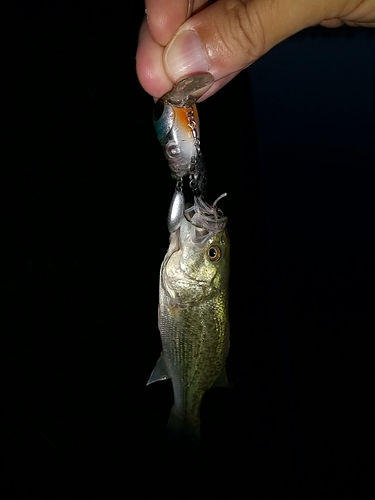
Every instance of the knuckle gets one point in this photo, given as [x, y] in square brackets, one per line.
[245, 27]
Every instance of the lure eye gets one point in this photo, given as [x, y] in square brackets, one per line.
[214, 253]
[172, 150]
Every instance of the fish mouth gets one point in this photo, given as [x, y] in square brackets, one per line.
[199, 223]
[174, 243]
[206, 219]
[178, 278]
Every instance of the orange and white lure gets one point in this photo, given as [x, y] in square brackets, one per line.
[177, 128]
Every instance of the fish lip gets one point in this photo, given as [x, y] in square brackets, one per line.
[189, 278]
[180, 270]
[182, 274]
[173, 297]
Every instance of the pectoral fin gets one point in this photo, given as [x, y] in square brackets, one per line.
[160, 372]
[222, 380]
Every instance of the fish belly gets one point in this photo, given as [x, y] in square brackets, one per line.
[195, 343]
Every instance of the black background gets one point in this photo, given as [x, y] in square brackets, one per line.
[85, 191]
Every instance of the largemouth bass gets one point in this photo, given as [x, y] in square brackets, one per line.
[193, 314]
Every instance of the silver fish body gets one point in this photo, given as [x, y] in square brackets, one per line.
[193, 314]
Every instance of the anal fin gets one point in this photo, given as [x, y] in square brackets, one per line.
[160, 372]
[222, 379]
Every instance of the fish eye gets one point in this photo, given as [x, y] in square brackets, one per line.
[158, 109]
[214, 253]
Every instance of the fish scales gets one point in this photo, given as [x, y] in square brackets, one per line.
[195, 347]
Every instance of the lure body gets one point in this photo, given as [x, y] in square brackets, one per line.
[177, 128]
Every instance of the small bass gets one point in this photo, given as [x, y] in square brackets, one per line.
[193, 314]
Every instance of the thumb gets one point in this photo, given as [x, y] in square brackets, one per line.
[229, 35]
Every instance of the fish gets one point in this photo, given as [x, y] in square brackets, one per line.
[193, 314]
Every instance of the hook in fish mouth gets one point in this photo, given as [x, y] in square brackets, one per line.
[206, 217]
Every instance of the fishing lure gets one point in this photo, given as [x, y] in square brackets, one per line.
[177, 128]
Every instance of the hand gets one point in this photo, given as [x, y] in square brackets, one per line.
[227, 36]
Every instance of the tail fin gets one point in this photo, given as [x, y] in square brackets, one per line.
[180, 427]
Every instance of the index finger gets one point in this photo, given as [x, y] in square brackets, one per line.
[164, 17]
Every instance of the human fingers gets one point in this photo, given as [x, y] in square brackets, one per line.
[163, 18]
[149, 64]
[229, 35]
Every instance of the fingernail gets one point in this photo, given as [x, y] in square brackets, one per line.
[185, 55]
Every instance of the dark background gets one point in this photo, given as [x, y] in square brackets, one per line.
[85, 191]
